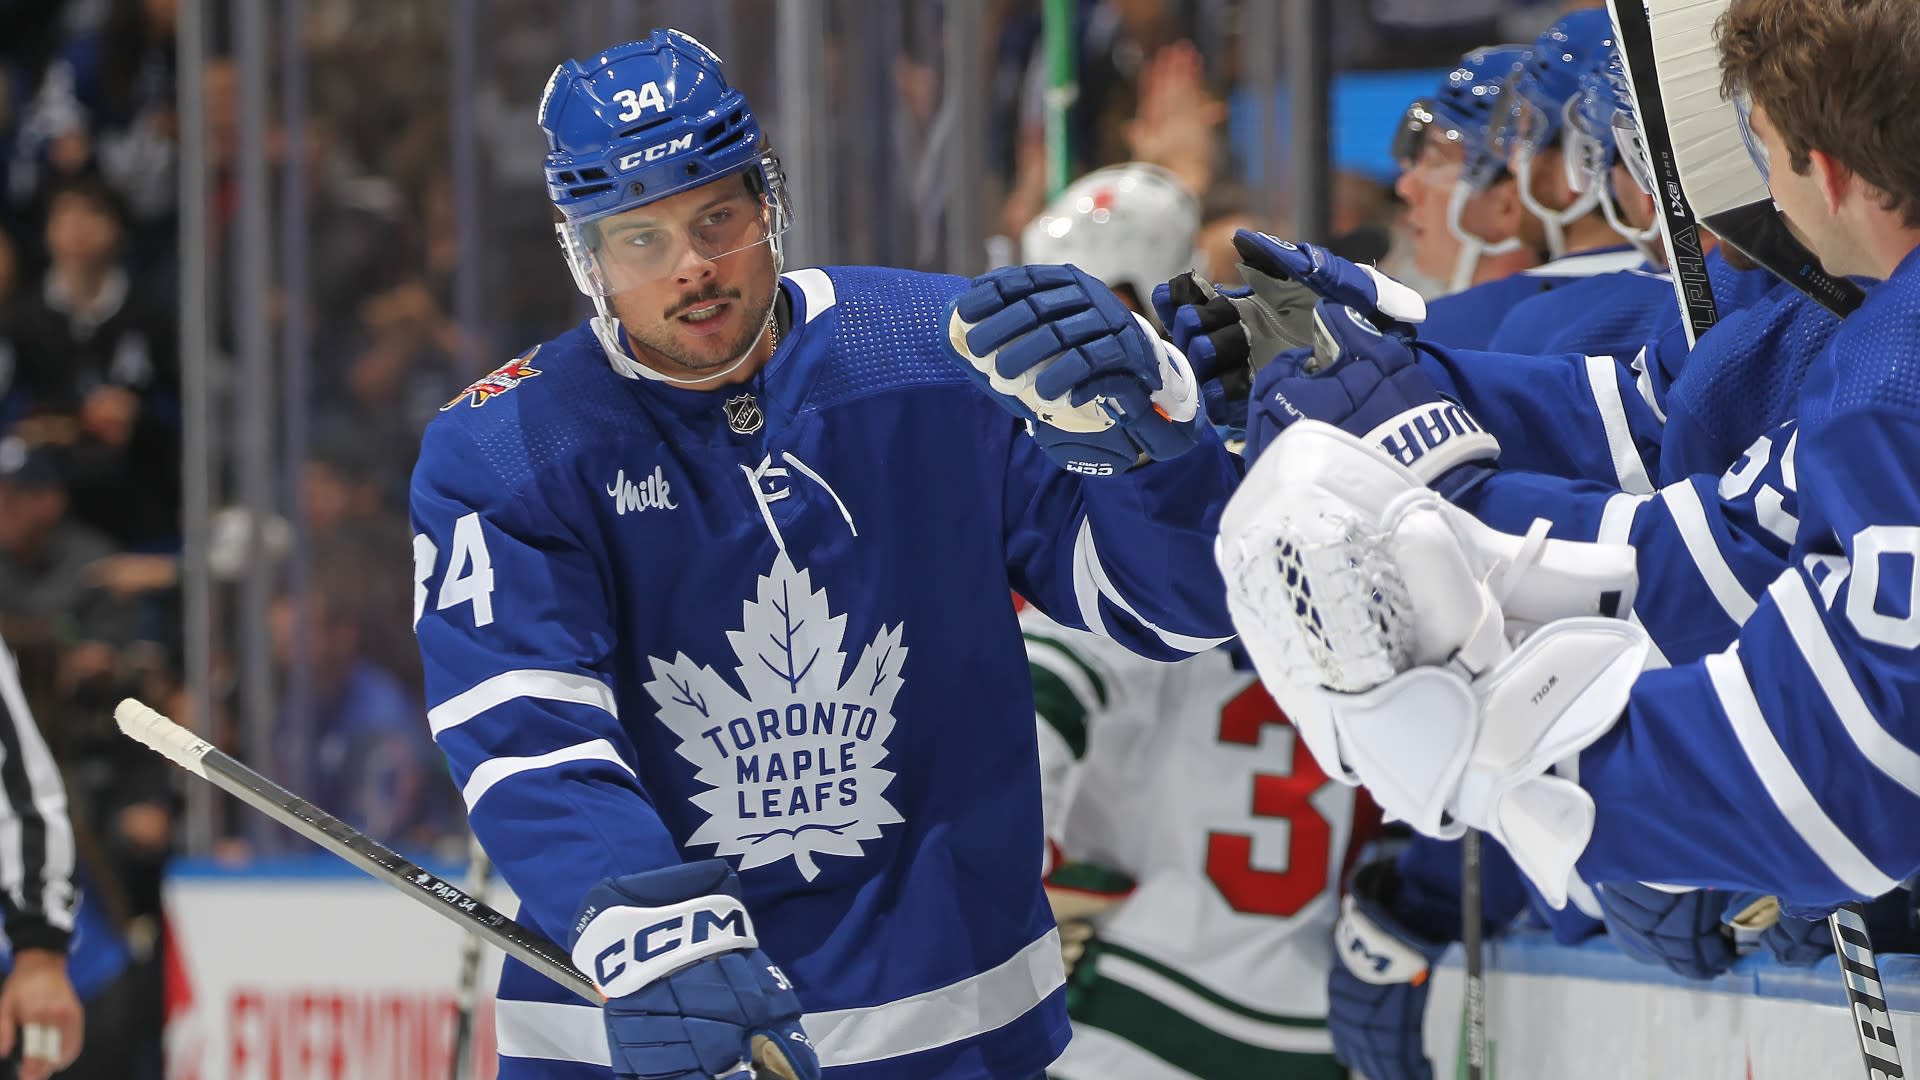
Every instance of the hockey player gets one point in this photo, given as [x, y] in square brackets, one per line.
[714, 597]
[1463, 211]
[1131, 225]
[1411, 901]
[1604, 314]
[1197, 854]
[40, 1015]
[1194, 851]
[1796, 737]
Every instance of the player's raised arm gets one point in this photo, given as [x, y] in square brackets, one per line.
[1111, 505]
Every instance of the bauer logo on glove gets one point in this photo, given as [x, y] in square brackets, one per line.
[1057, 348]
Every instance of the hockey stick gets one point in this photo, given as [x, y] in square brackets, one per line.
[1634, 32]
[1474, 999]
[1702, 159]
[190, 752]
[467, 995]
[144, 725]
[1872, 1022]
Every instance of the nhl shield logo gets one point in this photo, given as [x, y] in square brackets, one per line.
[743, 414]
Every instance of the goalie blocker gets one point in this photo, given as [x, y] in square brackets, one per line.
[1444, 665]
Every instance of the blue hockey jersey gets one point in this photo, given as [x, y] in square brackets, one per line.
[1783, 595]
[1467, 319]
[772, 622]
[1612, 314]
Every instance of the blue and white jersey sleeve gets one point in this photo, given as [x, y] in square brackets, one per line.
[1704, 546]
[1788, 762]
[511, 612]
[1566, 414]
[1129, 557]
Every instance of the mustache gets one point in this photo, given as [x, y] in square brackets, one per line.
[710, 294]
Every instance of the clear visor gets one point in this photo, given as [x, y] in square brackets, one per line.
[622, 251]
[1633, 150]
[1757, 150]
[1411, 135]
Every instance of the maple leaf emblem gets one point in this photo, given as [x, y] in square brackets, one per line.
[792, 747]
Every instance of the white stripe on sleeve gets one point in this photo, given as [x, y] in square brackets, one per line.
[1602, 373]
[1090, 582]
[513, 685]
[1783, 785]
[494, 770]
[1690, 517]
[1876, 744]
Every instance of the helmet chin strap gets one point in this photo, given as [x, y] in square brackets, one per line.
[1553, 221]
[1647, 240]
[1471, 247]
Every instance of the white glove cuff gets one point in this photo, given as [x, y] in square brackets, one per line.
[624, 949]
[1370, 953]
[1432, 438]
[1178, 396]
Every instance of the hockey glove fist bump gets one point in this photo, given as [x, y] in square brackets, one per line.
[1059, 350]
[1377, 992]
[1371, 385]
[1387, 303]
[689, 993]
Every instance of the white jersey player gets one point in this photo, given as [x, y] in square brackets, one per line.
[1196, 853]
[1195, 849]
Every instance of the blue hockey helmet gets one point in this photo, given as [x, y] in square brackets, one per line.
[1548, 84]
[1466, 110]
[638, 123]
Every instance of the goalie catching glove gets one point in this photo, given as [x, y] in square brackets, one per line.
[1443, 664]
[1099, 388]
[689, 993]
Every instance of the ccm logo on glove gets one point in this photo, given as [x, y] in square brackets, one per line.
[626, 948]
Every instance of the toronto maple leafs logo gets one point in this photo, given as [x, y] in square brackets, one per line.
[795, 763]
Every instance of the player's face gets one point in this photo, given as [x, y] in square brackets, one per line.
[1799, 197]
[1425, 184]
[694, 312]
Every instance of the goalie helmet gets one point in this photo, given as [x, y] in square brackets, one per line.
[640, 122]
[1132, 226]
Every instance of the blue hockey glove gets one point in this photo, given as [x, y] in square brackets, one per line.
[1792, 936]
[1058, 349]
[1370, 384]
[1377, 993]
[1388, 304]
[1681, 932]
[689, 993]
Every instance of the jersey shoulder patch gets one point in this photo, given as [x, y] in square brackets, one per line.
[498, 381]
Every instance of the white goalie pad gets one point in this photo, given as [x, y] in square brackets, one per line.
[1385, 621]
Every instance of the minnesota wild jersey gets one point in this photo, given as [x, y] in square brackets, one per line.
[1186, 779]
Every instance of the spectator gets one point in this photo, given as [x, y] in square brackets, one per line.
[95, 351]
[45, 555]
[358, 732]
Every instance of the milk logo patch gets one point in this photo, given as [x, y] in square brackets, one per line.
[795, 765]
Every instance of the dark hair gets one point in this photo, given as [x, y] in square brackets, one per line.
[92, 190]
[1838, 76]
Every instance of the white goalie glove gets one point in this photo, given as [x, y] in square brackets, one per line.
[1444, 665]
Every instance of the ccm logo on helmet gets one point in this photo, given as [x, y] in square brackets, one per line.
[655, 153]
